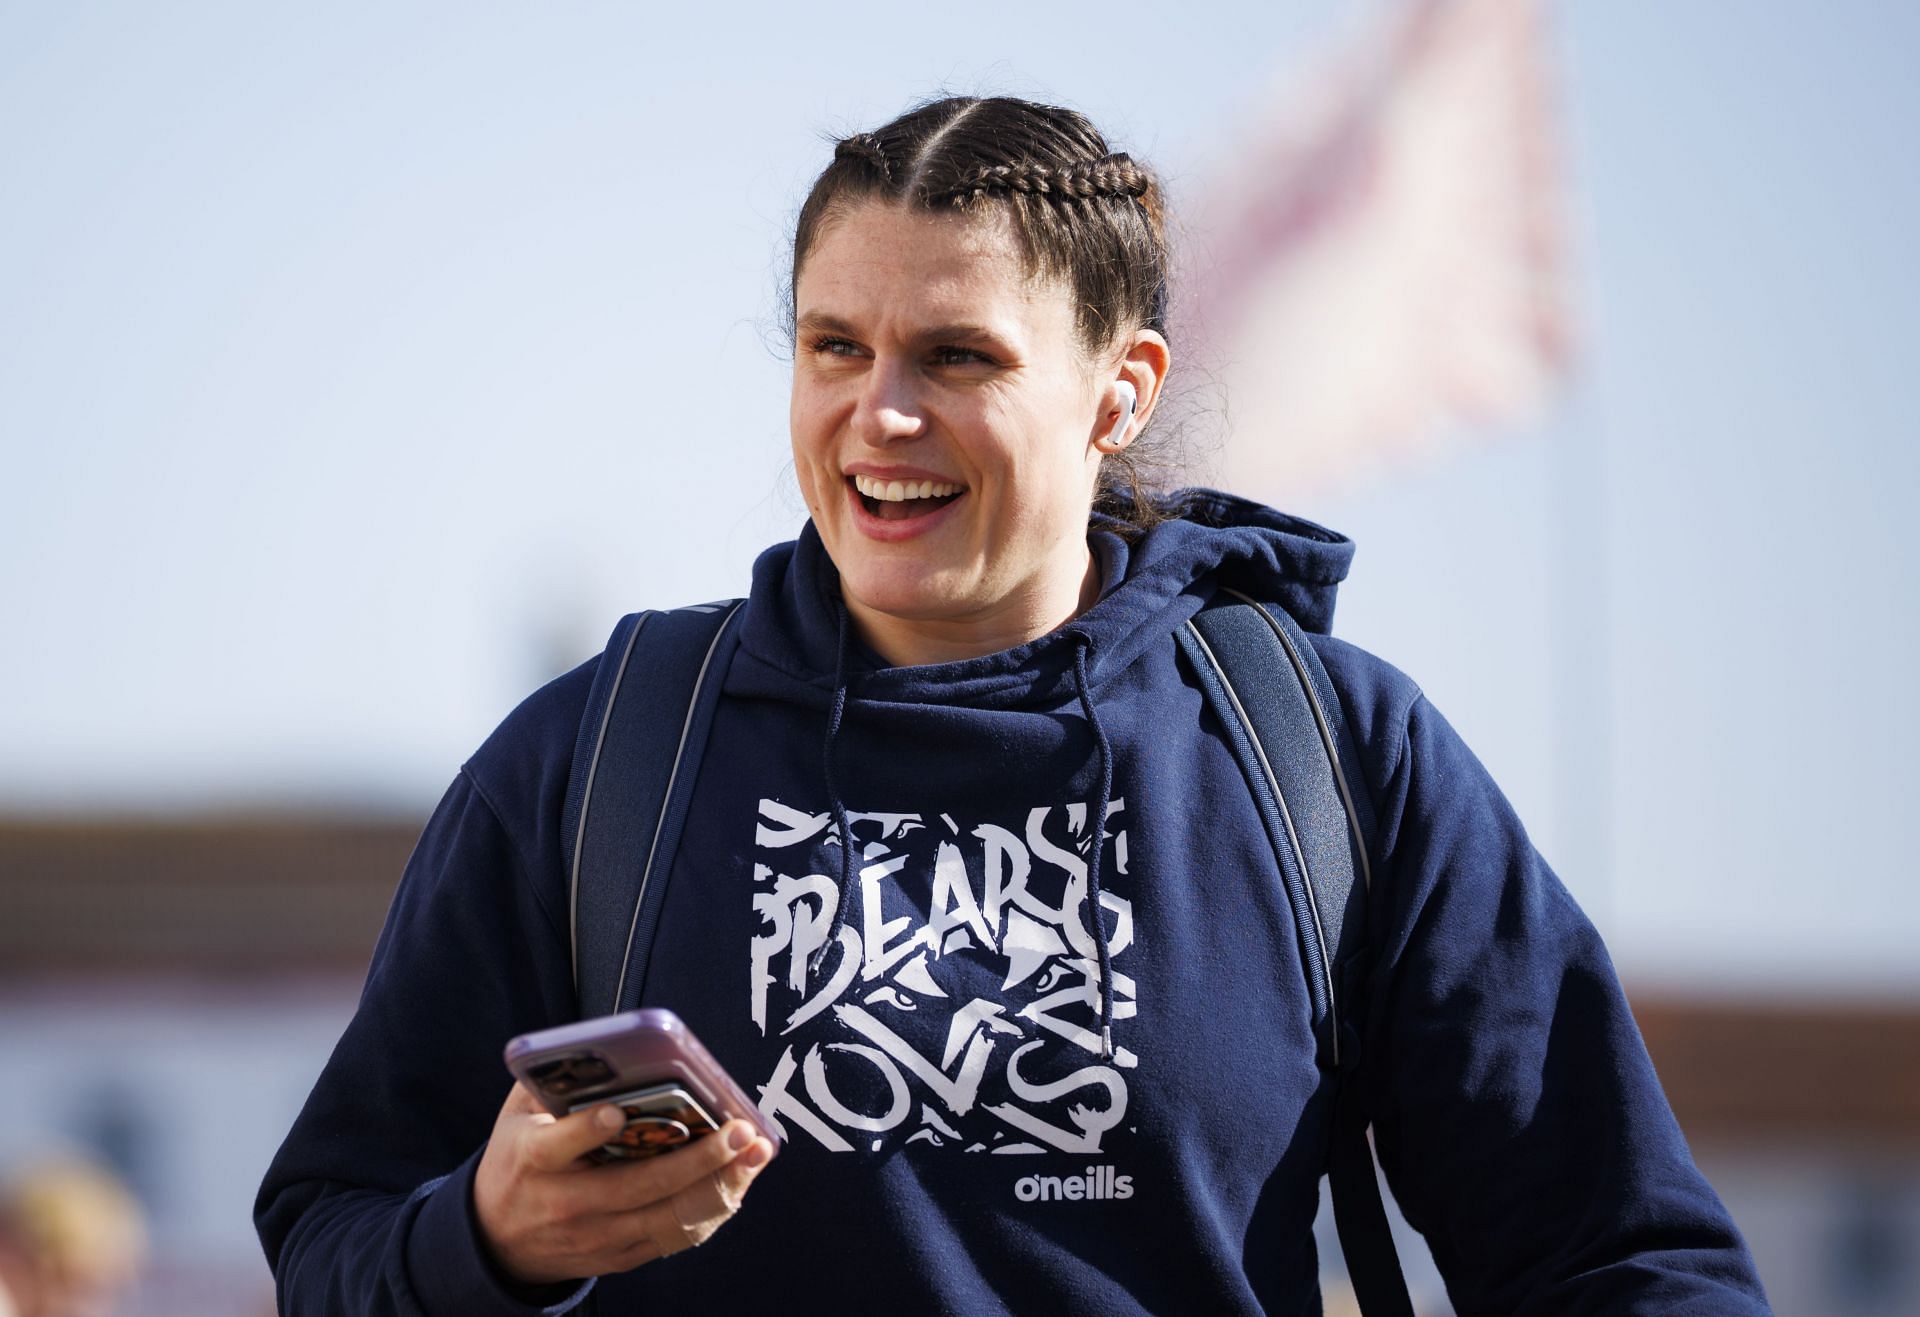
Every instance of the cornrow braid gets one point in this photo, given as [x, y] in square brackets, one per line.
[865, 147]
[1113, 175]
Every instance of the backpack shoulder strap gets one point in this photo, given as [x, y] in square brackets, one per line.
[634, 764]
[1283, 719]
[1253, 666]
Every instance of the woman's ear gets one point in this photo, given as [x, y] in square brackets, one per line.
[1121, 434]
[1144, 367]
[1132, 390]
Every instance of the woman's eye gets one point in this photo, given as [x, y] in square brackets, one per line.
[951, 356]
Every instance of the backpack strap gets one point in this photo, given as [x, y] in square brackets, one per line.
[634, 765]
[1283, 720]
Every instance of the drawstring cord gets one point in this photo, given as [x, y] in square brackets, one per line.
[1096, 824]
[1097, 828]
[835, 712]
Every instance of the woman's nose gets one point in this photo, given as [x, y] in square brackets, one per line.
[889, 410]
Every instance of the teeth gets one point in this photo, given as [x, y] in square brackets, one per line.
[898, 491]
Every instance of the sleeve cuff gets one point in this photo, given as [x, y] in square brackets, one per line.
[450, 1270]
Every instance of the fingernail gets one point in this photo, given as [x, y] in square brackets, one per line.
[757, 1156]
[609, 1118]
[739, 1135]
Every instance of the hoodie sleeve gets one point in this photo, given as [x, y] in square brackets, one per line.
[367, 1209]
[1515, 1111]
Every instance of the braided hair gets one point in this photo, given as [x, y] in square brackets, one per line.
[1110, 176]
[1084, 214]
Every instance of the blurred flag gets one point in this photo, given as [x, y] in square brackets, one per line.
[1386, 257]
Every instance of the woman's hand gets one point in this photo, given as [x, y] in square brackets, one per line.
[549, 1215]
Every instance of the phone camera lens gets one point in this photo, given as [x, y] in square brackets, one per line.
[569, 1074]
[554, 1076]
[590, 1069]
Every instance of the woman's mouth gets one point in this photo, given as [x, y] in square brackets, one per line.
[903, 500]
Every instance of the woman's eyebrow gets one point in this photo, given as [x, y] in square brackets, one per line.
[966, 332]
[961, 333]
[820, 322]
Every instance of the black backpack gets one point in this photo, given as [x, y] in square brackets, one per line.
[645, 730]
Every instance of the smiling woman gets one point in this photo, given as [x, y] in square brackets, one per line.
[949, 428]
[982, 891]
[976, 288]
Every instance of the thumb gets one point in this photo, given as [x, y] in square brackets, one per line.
[557, 1144]
[521, 1102]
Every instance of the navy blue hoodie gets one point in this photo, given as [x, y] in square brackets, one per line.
[959, 1136]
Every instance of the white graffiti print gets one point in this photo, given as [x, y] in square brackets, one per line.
[960, 1004]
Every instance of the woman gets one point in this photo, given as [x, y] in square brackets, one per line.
[964, 665]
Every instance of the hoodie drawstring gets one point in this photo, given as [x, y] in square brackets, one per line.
[1096, 825]
[835, 712]
[1097, 829]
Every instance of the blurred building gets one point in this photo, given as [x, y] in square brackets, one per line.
[169, 988]
[168, 992]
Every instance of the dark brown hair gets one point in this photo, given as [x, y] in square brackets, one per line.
[1081, 213]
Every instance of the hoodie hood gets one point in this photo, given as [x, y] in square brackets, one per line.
[799, 646]
[1151, 587]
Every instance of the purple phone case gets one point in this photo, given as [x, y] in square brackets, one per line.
[640, 1047]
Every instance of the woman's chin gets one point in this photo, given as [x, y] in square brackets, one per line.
[906, 596]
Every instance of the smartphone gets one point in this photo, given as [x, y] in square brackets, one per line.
[649, 1064]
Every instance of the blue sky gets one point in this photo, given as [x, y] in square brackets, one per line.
[360, 365]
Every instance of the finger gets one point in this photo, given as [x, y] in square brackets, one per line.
[521, 1101]
[704, 1206]
[687, 1219]
[700, 1209]
[732, 1180]
[520, 1109]
[557, 1146]
[707, 1204]
[658, 1178]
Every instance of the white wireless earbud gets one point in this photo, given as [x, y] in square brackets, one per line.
[1118, 438]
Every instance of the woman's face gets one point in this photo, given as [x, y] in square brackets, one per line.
[944, 418]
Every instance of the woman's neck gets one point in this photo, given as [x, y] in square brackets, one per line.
[909, 642]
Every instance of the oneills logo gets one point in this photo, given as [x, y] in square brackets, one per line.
[1098, 1182]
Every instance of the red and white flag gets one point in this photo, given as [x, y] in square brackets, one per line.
[1385, 263]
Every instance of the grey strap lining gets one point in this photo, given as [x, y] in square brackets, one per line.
[1327, 737]
[586, 804]
[666, 800]
[1293, 838]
